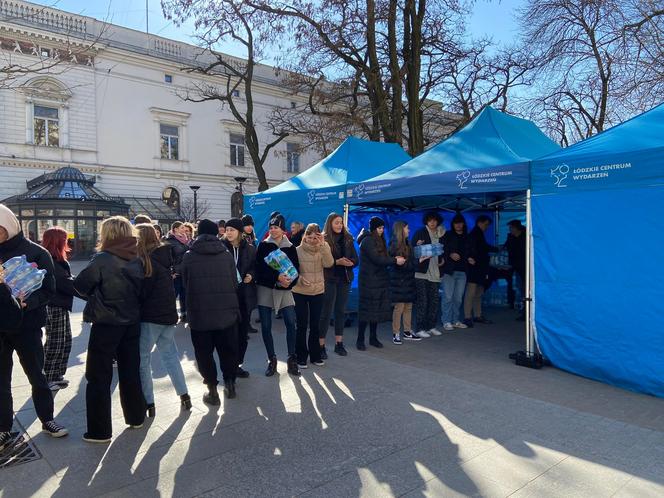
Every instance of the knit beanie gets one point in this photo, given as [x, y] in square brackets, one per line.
[207, 227]
[375, 222]
[278, 221]
[235, 223]
[247, 220]
[9, 222]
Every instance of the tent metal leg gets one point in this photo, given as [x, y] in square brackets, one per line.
[530, 357]
[346, 209]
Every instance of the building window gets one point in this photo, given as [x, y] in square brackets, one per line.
[46, 126]
[235, 93]
[171, 196]
[237, 150]
[169, 136]
[168, 78]
[292, 158]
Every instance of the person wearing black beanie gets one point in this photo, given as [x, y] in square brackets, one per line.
[213, 309]
[374, 283]
[248, 229]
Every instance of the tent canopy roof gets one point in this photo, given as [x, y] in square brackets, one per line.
[627, 155]
[353, 161]
[492, 138]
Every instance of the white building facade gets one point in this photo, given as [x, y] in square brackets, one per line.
[111, 107]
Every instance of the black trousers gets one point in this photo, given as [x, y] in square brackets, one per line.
[122, 343]
[28, 347]
[361, 329]
[334, 301]
[307, 316]
[225, 341]
[243, 330]
[427, 304]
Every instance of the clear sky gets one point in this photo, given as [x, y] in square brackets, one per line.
[494, 18]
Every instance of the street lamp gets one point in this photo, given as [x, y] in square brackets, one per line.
[195, 189]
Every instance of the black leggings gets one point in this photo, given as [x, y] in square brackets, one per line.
[362, 327]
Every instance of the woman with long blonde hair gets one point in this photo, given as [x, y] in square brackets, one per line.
[159, 316]
[113, 308]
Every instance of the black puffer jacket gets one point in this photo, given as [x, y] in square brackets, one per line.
[478, 249]
[210, 280]
[34, 315]
[265, 275]
[245, 262]
[374, 282]
[158, 292]
[423, 234]
[341, 248]
[178, 251]
[112, 294]
[64, 286]
[10, 310]
[455, 243]
[402, 278]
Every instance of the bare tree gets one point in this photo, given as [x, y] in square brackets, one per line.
[187, 209]
[592, 73]
[218, 21]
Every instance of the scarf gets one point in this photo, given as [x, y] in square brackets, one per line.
[182, 238]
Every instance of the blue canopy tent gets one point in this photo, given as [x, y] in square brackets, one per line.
[314, 193]
[483, 163]
[597, 230]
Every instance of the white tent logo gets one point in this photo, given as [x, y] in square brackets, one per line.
[560, 173]
[311, 195]
[359, 190]
[463, 178]
[252, 202]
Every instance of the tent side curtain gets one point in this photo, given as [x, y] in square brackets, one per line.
[511, 178]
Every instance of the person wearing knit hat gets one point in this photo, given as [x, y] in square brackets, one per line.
[213, 310]
[274, 294]
[248, 229]
[244, 255]
[26, 339]
[374, 283]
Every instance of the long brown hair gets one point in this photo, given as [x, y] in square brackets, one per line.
[329, 232]
[147, 242]
[399, 241]
[381, 245]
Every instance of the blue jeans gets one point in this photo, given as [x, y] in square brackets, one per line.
[453, 287]
[180, 294]
[163, 337]
[288, 313]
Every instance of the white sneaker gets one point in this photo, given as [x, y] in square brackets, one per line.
[435, 331]
[460, 325]
[448, 326]
[423, 334]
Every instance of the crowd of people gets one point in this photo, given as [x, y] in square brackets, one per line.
[218, 274]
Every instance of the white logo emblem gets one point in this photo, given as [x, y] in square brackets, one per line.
[359, 190]
[252, 202]
[463, 178]
[560, 173]
[311, 195]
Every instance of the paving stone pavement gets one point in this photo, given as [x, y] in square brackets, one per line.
[448, 416]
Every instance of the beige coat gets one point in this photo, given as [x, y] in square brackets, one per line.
[312, 261]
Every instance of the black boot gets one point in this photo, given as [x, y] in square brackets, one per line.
[360, 338]
[230, 389]
[212, 396]
[373, 340]
[292, 365]
[271, 367]
[185, 402]
[241, 373]
[151, 410]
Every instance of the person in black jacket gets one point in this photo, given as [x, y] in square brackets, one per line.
[455, 242]
[244, 255]
[477, 272]
[12, 314]
[26, 338]
[177, 239]
[274, 293]
[213, 309]
[427, 276]
[516, 251]
[58, 326]
[248, 233]
[338, 280]
[374, 282]
[159, 316]
[402, 284]
[113, 308]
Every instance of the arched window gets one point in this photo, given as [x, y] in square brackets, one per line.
[171, 197]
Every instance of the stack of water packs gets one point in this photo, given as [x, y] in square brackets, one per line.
[23, 278]
[277, 260]
[428, 250]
